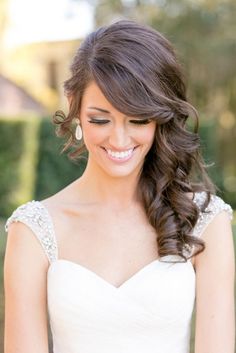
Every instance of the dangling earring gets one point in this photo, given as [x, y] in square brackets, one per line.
[78, 131]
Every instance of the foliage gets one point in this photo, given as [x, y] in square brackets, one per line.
[18, 155]
[54, 170]
[31, 166]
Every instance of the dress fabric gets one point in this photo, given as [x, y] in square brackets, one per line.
[149, 313]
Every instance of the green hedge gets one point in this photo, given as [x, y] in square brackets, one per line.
[210, 150]
[54, 170]
[218, 147]
[18, 158]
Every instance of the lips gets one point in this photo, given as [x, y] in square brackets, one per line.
[121, 155]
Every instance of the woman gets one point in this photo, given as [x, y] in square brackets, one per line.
[116, 256]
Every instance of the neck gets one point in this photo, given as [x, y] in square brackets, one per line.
[116, 192]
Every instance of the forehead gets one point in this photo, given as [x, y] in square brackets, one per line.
[93, 96]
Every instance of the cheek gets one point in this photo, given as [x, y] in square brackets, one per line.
[93, 136]
[147, 136]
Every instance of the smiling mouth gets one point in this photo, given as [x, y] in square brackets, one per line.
[123, 155]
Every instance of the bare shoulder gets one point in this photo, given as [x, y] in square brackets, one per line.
[72, 199]
[219, 245]
[68, 196]
[69, 212]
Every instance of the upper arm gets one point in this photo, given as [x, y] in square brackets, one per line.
[215, 276]
[25, 268]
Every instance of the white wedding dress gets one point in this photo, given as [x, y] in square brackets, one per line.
[149, 313]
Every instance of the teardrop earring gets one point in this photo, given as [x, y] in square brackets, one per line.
[78, 131]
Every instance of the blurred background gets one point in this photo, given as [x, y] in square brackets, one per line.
[37, 43]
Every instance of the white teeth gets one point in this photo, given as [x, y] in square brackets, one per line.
[123, 154]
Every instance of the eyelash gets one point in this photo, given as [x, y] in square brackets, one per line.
[137, 122]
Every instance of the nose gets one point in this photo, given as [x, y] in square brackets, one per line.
[119, 138]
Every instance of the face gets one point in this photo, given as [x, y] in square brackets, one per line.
[116, 143]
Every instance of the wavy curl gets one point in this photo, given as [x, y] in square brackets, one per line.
[137, 70]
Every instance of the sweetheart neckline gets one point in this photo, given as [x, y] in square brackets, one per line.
[100, 278]
[158, 261]
[109, 284]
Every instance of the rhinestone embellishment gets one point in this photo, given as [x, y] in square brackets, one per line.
[36, 217]
[215, 206]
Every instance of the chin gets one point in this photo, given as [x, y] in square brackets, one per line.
[121, 171]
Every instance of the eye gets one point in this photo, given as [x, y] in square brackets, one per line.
[141, 121]
[98, 121]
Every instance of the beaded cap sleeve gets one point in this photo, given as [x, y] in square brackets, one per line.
[215, 206]
[36, 217]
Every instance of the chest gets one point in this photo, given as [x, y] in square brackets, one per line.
[114, 245]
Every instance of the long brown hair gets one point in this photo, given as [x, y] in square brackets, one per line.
[137, 70]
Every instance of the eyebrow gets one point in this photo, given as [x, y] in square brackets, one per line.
[107, 111]
[100, 110]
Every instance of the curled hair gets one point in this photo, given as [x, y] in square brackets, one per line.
[137, 70]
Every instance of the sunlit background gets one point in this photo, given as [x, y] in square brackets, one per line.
[47, 21]
[37, 42]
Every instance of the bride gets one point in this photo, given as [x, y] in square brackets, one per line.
[117, 259]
